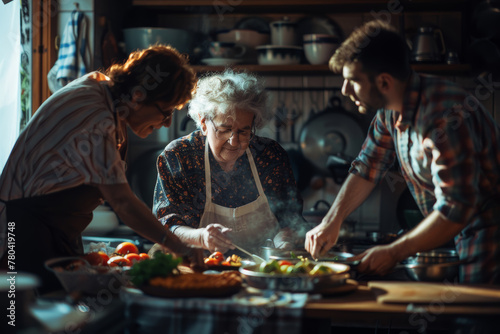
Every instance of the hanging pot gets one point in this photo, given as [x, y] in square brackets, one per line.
[332, 138]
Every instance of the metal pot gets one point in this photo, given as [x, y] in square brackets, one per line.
[433, 266]
[296, 283]
[278, 254]
[434, 272]
[435, 256]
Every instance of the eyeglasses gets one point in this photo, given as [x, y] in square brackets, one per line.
[166, 114]
[244, 136]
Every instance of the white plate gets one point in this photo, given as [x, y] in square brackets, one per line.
[221, 61]
[264, 298]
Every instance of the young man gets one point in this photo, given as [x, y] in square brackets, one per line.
[446, 143]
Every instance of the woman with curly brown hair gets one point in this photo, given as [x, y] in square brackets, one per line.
[69, 158]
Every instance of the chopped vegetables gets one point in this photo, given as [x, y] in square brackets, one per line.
[217, 259]
[304, 266]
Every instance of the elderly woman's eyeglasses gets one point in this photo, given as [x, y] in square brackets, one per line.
[244, 136]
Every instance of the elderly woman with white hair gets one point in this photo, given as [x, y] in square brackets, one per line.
[222, 184]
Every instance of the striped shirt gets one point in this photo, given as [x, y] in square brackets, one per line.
[70, 141]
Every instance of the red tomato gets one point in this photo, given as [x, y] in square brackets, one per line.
[119, 261]
[104, 256]
[225, 263]
[285, 262]
[211, 261]
[126, 247]
[144, 256]
[133, 257]
[218, 256]
[94, 259]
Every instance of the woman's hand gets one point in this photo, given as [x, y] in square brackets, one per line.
[191, 256]
[284, 239]
[214, 238]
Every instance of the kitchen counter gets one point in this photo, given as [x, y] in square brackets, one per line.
[361, 309]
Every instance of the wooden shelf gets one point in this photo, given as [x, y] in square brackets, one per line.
[442, 68]
[282, 69]
[272, 3]
[305, 69]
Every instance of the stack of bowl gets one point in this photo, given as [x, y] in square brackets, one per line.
[282, 50]
[244, 38]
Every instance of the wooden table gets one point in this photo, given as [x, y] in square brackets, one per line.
[361, 309]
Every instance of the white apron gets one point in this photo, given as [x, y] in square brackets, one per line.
[251, 223]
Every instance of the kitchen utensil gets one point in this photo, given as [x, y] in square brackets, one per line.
[255, 23]
[436, 265]
[433, 293]
[428, 45]
[226, 50]
[257, 259]
[452, 57]
[435, 256]
[249, 38]
[283, 32]
[280, 254]
[56, 315]
[433, 272]
[298, 282]
[87, 279]
[279, 54]
[319, 48]
[104, 220]
[333, 131]
[317, 25]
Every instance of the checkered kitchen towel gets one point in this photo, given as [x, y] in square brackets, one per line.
[74, 55]
[146, 314]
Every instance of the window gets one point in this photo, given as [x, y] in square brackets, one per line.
[10, 82]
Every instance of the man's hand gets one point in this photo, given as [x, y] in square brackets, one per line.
[320, 239]
[379, 260]
[213, 237]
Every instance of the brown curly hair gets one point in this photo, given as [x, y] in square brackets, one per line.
[379, 48]
[160, 72]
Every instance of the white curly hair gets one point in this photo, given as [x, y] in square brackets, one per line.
[223, 92]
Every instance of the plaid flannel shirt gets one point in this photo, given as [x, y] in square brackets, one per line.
[448, 148]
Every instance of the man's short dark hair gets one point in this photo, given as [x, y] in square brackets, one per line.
[378, 47]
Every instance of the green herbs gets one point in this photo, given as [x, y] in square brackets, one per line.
[161, 265]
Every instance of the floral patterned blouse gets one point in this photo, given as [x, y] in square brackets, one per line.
[179, 197]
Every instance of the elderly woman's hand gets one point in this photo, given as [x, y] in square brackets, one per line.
[284, 239]
[213, 237]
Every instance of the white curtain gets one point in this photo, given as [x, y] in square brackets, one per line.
[10, 78]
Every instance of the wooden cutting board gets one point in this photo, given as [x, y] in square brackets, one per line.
[421, 292]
